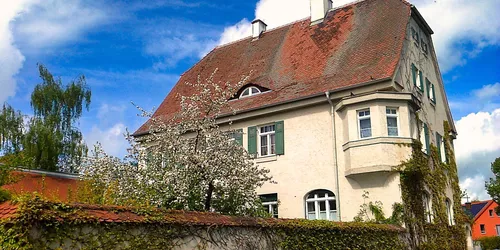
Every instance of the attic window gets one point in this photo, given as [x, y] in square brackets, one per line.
[250, 91]
[415, 36]
[425, 49]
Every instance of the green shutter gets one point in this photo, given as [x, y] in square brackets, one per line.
[280, 138]
[426, 134]
[428, 88]
[238, 136]
[252, 140]
[438, 142]
[421, 81]
[414, 74]
[433, 94]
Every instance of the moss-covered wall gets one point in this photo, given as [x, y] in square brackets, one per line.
[40, 224]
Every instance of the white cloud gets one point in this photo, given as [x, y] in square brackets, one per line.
[476, 146]
[52, 22]
[475, 188]
[11, 59]
[462, 28]
[488, 91]
[112, 139]
[274, 13]
[478, 132]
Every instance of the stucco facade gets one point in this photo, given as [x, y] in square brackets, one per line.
[326, 152]
[346, 106]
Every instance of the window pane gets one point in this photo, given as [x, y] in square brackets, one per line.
[310, 207]
[322, 215]
[333, 205]
[333, 215]
[322, 206]
[263, 145]
[246, 92]
[275, 210]
[273, 144]
[365, 123]
[392, 126]
[255, 91]
[311, 216]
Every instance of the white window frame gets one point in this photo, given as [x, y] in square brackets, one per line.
[392, 116]
[419, 82]
[422, 137]
[316, 200]
[270, 208]
[268, 135]
[483, 229]
[498, 231]
[449, 212]
[443, 150]
[432, 91]
[364, 117]
[250, 92]
[427, 207]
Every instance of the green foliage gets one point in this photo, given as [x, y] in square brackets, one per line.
[493, 186]
[489, 243]
[427, 174]
[372, 212]
[11, 130]
[61, 226]
[52, 140]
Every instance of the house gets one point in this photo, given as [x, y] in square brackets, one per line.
[486, 221]
[330, 100]
[51, 185]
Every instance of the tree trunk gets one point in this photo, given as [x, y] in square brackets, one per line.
[208, 198]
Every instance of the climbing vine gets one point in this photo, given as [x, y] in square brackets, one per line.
[427, 174]
[42, 224]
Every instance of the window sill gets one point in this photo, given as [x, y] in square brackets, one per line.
[267, 158]
[377, 140]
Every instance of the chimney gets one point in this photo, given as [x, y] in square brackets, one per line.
[319, 8]
[468, 206]
[257, 28]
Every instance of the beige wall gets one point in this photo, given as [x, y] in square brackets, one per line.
[308, 160]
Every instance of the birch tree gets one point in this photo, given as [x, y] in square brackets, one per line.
[185, 162]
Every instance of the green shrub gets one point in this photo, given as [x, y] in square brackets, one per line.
[489, 243]
[4, 195]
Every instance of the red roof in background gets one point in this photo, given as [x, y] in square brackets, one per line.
[50, 185]
[357, 43]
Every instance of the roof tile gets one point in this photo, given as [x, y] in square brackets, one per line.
[357, 43]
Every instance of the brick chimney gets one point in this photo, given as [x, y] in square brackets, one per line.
[319, 8]
[258, 26]
[468, 205]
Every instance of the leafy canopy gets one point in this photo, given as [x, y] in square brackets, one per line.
[185, 162]
[493, 186]
[51, 140]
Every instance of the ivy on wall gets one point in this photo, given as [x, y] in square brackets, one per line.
[42, 224]
[428, 174]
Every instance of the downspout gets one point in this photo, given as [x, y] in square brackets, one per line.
[327, 93]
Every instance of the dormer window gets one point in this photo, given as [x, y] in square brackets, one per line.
[250, 91]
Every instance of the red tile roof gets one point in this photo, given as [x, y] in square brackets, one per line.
[357, 43]
[50, 186]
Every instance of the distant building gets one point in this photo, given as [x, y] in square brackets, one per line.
[486, 221]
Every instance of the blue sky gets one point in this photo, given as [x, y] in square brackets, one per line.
[136, 50]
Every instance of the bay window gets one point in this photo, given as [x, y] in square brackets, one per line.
[364, 122]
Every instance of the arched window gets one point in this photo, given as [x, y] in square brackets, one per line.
[449, 211]
[320, 205]
[427, 207]
[250, 91]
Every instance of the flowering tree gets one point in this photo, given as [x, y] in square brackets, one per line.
[185, 162]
